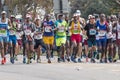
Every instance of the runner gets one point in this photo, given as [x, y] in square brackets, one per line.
[38, 39]
[4, 35]
[85, 42]
[102, 38]
[12, 39]
[28, 28]
[61, 26]
[114, 39]
[48, 35]
[91, 34]
[76, 38]
[109, 46]
[80, 19]
[19, 39]
[68, 40]
[118, 35]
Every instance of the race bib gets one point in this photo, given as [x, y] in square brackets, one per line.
[109, 35]
[75, 27]
[92, 32]
[61, 29]
[27, 32]
[114, 36]
[118, 35]
[12, 32]
[39, 36]
[3, 32]
[97, 37]
[18, 35]
[25, 27]
[102, 33]
[47, 29]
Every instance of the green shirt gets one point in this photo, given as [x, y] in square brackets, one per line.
[61, 28]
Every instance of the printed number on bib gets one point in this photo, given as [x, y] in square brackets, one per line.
[47, 29]
[3, 32]
[118, 35]
[102, 33]
[75, 27]
[39, 36]
[27, 32]
[61, 29]
[109, 35]
[92, 32]
[12, 32]
[114, 36]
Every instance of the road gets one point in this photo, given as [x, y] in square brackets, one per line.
[59, 71]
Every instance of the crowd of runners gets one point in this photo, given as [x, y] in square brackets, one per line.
[75, 39]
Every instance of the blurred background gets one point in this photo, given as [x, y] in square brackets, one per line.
[41, 7]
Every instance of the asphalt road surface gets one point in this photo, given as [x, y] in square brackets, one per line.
[59, 71]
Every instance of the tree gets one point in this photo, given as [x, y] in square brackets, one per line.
[25, 6]
[95, 6]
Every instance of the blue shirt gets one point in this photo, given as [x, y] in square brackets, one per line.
[47, 25]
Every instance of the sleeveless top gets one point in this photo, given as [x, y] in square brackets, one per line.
[4, 28]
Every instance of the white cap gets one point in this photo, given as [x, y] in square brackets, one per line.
[89, 16]
[3, 12]
[28, 16]
[78, 12]
[12, 16]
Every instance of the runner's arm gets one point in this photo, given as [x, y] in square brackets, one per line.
[9, 24]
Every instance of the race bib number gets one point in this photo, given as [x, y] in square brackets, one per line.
[102, 33]
[27, 32]
[114, 36]
[92, 32]
[12, 32]
[39, 36]
[61, 29]
[3, 32]
[47, 29]
[25, 27]
[75, 27]
[109, 35]
[118, 35]
[97, 37]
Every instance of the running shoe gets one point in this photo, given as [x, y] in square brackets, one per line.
[59, 60]
[110, 60]
[101, 61]
[49, 61]
[93, 61]
[79, 60]
[3, 62]
[38, 60]
[68, 59]
[12, 60]
[28, 61]
[24, 60]
[16, 58]
[74, 60]
[5, 59]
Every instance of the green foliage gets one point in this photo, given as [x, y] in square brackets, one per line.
[95, 6]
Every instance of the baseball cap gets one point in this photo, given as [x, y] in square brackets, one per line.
[3, 12]
[12, 16]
